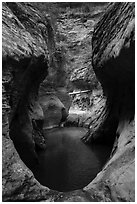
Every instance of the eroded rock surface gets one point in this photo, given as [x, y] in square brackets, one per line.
[87, 116]
[27, 60]
[54, 111]
[113, 61]
[75, 28]
[27, 33]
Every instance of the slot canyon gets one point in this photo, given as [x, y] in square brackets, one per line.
[68, 101]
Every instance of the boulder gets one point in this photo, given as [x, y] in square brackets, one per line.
[53, 109]
[62, 94]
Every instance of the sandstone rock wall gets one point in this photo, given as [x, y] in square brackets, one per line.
[113, 62]
[27, 33]
[75, 28]
[27, 48]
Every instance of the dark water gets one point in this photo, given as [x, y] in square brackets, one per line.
[67, 163]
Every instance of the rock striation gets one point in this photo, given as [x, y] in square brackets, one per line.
[75, 28]
[32, 66]
[114, 64]
[28, 57]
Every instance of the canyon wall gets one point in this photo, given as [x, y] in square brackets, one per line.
[113, 61]
[29, 55]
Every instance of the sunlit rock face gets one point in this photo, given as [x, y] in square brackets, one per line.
[75, 28]
[113, 62]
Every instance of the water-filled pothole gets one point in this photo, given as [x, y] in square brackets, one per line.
[67, 163]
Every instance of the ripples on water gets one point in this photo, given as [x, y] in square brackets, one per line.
[67, 163]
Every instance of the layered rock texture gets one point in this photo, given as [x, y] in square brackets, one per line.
[34, 87]
[29, 55]
[75, 28]
[113, 61]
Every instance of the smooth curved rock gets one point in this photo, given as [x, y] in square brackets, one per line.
[53, 109]
[114, 64]
[28, 42]
[21, 41]
[64, 97]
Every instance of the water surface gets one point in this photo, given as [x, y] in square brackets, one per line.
[67, 163]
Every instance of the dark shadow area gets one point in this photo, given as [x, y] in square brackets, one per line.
[67, 163]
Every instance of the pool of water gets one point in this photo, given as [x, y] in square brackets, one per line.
[67, 163]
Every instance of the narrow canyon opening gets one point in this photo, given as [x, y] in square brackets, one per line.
[63, 162]
[68, 100]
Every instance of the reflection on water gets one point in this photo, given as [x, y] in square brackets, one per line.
[67, 163]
